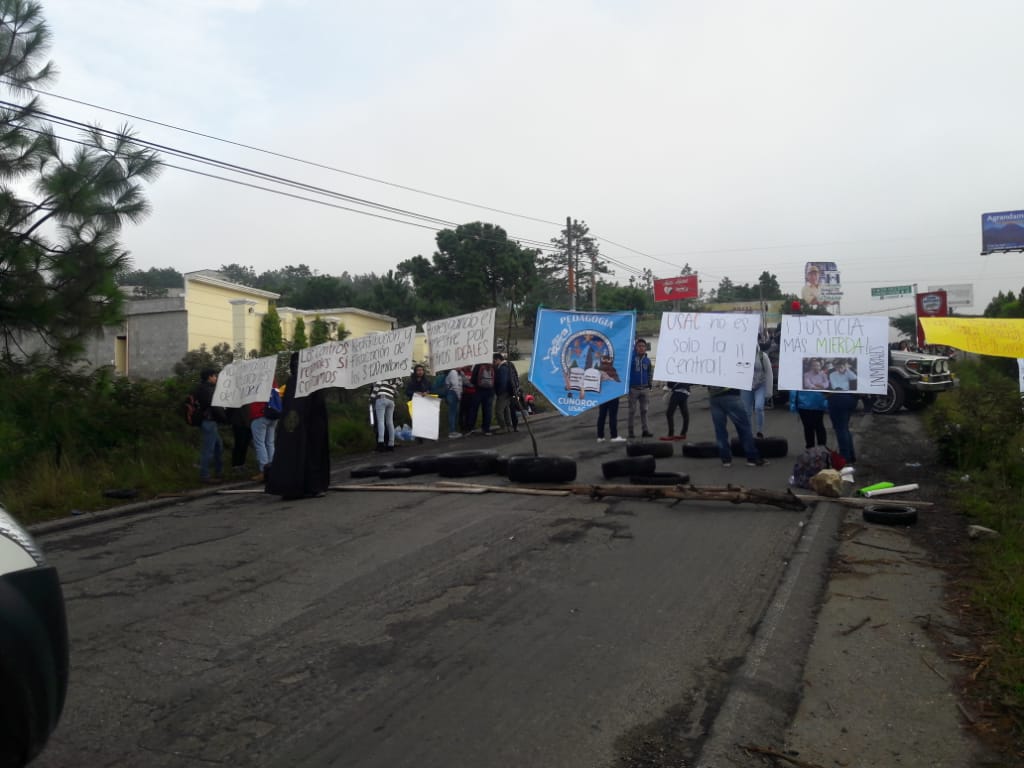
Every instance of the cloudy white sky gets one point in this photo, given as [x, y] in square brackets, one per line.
[736, 137]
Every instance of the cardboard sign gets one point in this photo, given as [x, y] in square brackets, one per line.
[707, 348]
[842, 353]
[459, 341]
[247, 381]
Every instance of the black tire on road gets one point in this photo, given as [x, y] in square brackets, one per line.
[420, 465]
[541, 469]
[371, 470]
[467, 463]
[889, 515]
[392, 473]
[661, 478]
[501, 465]
[657, 450]
[635, 465]
[893, 398]
[702, 450]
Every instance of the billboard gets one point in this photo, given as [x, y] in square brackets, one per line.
[821, 284]
[1002, 231]
[676, 288]
[961, 295]
[930, 304]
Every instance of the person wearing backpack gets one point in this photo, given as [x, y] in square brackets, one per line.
[483, 380]
[211, 447]
[264, 417]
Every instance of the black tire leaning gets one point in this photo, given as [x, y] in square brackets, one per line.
[541, 469]
[889, 515]
[703, 450]
[371, 470]
[657, 450]
[660, 478]
[392, 473]
[467, 463]
[635, 465]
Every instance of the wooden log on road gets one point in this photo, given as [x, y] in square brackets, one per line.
[733, 494]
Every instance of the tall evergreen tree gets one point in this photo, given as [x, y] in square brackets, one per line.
[574, 246]
[271, 338]
[60, 216]
[299, 336]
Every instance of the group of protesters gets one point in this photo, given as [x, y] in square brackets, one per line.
[488, 393]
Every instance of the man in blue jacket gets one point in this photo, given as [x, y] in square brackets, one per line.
[640, 382]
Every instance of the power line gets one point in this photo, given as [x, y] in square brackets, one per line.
[323, 166]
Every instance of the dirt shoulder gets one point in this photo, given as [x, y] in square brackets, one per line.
[891, 677]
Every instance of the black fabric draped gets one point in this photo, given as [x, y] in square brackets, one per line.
[302, 462]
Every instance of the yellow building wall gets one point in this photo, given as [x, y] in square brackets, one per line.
[212, 316]
[357, 325]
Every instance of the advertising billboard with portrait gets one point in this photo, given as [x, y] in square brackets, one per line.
[821, 284]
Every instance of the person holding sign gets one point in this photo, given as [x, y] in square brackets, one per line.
[726, 405]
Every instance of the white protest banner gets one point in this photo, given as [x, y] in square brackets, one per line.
[248, 381]
[380, 356]
[462, 340]
[322, 366]
[1020, 374]
[707, 348]
[834, 353]
[426, 416]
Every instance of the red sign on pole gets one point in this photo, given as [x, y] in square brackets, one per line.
[675, 288]
[930, 304]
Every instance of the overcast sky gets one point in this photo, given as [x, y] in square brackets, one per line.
[736, 137]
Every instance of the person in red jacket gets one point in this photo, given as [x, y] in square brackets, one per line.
[264, 430]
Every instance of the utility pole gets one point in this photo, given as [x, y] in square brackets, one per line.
[571, 258]
[593, 280]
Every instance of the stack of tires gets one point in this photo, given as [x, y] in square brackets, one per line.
[640, 465]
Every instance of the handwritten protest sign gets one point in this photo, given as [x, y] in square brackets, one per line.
[247, 381]
[707, 348]
[983, 335]
[354, 362]
[462, 340]
[380, 356]
[834, 353]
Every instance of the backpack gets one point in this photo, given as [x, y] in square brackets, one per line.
[192, 411]
[439, 387]
[275, 406]
[485, 377]
[809, 463]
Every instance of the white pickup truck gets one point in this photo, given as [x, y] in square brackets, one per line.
[915, 379]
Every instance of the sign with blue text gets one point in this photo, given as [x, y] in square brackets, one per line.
[844, 353]
[710, 348]
[581, 359]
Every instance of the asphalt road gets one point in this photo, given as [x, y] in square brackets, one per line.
[423, 629]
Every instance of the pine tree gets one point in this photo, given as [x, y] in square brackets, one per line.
[60, 216]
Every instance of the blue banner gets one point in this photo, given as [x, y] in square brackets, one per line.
[581, 359]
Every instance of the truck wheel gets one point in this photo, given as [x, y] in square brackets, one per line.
[892, 400]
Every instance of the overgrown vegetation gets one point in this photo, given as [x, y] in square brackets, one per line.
[979, 432]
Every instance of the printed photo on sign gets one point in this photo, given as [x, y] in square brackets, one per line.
[581, 359]
[834, 354]
[707, 348]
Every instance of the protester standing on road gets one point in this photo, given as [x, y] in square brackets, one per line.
[502, 393]
[469, 404]
[810, 406]
[264, 430]
[726, 405]
[383, 397]
[608, 412]
[679, 399]
[452, 398]
[841, 406]
[483, 381]
[761, 391]
[640, 383]
[211, 448]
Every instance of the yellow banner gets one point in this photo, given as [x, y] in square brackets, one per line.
[983, 335]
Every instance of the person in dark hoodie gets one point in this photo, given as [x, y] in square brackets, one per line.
[302, 461]
[211, 448]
